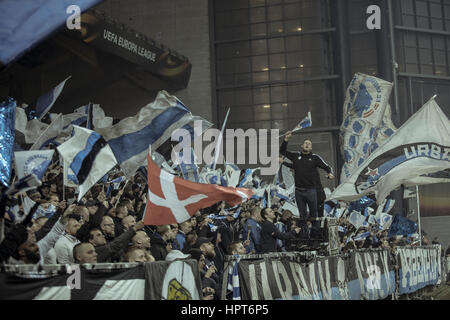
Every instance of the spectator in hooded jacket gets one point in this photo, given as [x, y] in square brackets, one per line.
[160, 242]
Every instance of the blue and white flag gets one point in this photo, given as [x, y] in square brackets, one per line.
[95, 116]
[232, 174]
[402, 226]
[233, 279]
[25, 23]
[47, 100]
[152, 125]
[50, 135]
[305, 123]
[88, 156]
[7, 122]
[364, 110]
[403, 158]
[361, 236]
[247, 180]
[356, 219]
[23, 185]
[188, 166]
[384, 221]
[36, 162]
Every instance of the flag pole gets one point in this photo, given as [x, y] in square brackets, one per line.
[64, 180]
[219, 141]
[418, 214]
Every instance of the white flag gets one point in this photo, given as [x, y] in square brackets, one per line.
[419, 147]
[89, 157]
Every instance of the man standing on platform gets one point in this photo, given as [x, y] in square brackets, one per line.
[305, 165]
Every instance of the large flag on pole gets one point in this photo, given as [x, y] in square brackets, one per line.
[153, 125]
[419, 147]
[88, 156]
[366, 120]
[24, 23]
[174, 200]
[36, 162]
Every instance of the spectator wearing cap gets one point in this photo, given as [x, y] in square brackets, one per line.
[91, 206]
[64, 245]
[191, 239]
[208, 284]
[208, 249]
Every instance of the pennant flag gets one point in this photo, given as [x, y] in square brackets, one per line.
[403, 157]
[372, 219]
[153, 125]
[356, 219]
[232, 174]
[47, 100]
[402, 226]
[25, 23]
[305, 123]
[23, 185]
[50, 134]
[7, 122]
[364, 110]
[174, 200]
[36, 162]
[89, 157]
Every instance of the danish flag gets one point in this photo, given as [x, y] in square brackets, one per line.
[172, 199]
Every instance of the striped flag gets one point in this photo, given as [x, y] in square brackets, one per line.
[25, 184]
[233, 279]
[88, 156]
[95, 116]
[305, 123]
[47, 100]
[152, 125]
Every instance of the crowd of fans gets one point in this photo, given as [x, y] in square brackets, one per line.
[107, 226]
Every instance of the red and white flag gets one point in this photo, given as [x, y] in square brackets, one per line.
[171, 199]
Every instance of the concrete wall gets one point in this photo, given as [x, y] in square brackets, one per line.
[182, 25]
